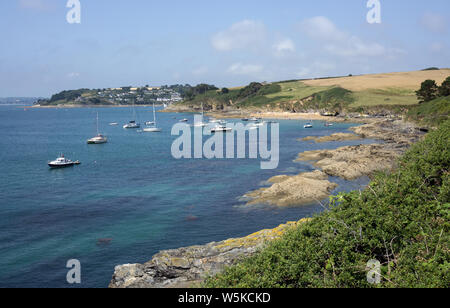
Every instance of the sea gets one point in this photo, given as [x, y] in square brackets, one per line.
[129, 198]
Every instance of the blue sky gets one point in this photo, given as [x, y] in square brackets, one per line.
[226, 43]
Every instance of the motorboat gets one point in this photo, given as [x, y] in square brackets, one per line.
[308, 125]
[221, 129]
[62, 162]
[184, 120]
[245, 120]
[328, 124]
[113, 124]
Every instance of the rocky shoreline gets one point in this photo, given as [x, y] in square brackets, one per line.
[187, 267]
[296, 190]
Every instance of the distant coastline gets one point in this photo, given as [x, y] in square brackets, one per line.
[69, 106]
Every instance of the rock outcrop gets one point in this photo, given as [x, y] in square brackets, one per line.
[187, 267]
[390, 131]
[352, 162]
[333, 137]
[294, 190]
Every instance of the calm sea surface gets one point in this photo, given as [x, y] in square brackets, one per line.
[129, 190]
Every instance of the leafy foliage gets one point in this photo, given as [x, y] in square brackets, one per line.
[444, 89]
[401, 220]
[428, 91]
[431, 113]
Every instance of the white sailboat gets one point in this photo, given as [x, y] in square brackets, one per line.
[99, 139]
[132, 124]
[201, 123]
[154, 128]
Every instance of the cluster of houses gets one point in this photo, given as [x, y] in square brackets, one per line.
[141, 95]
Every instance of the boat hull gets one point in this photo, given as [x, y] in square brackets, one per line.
[152, 130]
[96, 142]
[60, 166]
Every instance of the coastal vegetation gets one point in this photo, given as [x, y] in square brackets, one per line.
[400, 220]
[394, 93]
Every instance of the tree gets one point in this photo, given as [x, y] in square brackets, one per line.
[444, 89]
[428, 91]
[225, 91]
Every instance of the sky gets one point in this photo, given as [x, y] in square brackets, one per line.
[225, 43]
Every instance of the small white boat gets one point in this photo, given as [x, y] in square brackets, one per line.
[113, 124]
[62, 162]
[253, 120]
[201, 124]
[221, 129]
[328, 124]
[153, 128]
[132, 125]
[99, 139]
[308, 125]
[184, 120]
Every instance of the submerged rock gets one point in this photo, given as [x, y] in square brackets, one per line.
[186, 267]
[294, 190]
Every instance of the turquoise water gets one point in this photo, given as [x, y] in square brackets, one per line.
[129, 190]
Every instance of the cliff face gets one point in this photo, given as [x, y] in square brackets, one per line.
[185, 267]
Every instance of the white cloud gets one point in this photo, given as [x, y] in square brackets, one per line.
[322, 28]
[434, 22]
[341, 43]
[244, 34]
[244, 69]
[286, 45]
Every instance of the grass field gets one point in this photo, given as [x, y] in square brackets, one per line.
[298, 90]
[403, 80]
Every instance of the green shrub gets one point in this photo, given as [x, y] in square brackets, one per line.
[431, 113]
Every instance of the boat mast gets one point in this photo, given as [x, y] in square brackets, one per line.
[154, 114]
[97, 125]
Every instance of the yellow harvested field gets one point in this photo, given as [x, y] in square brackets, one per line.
[405, 80]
